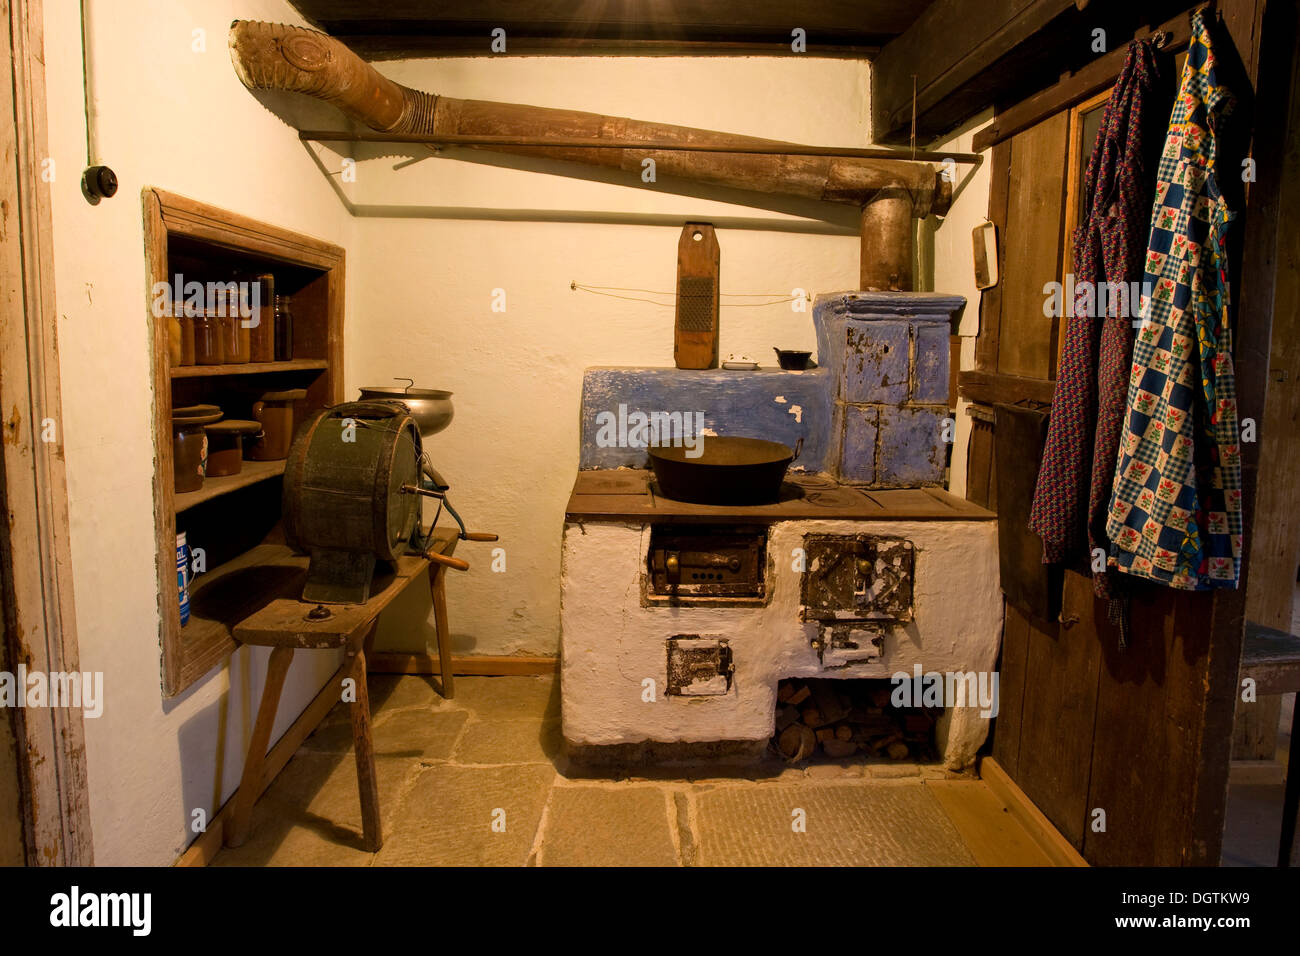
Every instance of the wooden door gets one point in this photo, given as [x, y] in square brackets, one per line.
[1127, 751]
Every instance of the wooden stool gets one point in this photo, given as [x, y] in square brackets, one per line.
[287, 625]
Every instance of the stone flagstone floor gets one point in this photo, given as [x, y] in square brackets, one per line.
[482, 780]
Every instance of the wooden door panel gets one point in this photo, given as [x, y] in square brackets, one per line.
[1056, 735]
[1034, 237]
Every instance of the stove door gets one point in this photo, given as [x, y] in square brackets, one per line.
[706, 561]
[858, 577]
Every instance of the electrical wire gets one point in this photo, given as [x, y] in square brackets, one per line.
[612, 290]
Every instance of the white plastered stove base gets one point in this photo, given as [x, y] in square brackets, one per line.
[614, 657]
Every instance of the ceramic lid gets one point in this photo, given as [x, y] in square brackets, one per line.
[195, 411]
[194, 415]
[235, 426]
[286, 395]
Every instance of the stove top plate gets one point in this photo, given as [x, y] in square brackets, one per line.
[624, 493]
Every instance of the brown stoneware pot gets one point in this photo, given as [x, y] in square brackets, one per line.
[274, 412]
[226, 445]
[190, 445]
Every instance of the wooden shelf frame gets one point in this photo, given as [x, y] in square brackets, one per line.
[250, 473]
[250, 368]
[189, 653]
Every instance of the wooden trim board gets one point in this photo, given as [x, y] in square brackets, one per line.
[392, 662]
[992, 833]
[39, 613]
[1048, 838]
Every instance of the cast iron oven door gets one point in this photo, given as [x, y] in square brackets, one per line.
[859, 577]
[706, 562]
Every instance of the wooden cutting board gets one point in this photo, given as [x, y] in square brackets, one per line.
[695, 341]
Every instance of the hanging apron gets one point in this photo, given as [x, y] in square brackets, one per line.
[1175, 509]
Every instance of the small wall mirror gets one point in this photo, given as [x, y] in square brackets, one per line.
[984, 240]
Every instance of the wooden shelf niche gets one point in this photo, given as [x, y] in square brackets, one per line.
[235, 520]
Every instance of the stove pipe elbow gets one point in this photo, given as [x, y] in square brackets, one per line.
[275, 56]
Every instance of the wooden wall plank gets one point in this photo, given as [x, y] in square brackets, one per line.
[986, 343]
[1060, 707]
[979, 464]
[1035, 205]
[1151, 706]
[1011, 690]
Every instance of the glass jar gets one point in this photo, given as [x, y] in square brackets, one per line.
[283, 328]
[208, 346]
[185, 322]
[263, 329]
[236, 337]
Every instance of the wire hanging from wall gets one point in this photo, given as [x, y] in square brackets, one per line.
[612, 291]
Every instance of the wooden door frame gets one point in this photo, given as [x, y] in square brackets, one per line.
[40, 620]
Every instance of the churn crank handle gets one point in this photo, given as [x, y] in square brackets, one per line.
[448, 560]
[413, 490]
[480, 536]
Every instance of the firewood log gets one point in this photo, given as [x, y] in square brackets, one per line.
[796, 742]
[800, 695]
[839, 748]
[785, 716]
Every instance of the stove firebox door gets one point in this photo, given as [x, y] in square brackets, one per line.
[706, 562]
[859, 577]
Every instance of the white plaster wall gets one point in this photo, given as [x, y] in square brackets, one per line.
[611, 643]
[426, 269]
[180, 120]
[947, 260]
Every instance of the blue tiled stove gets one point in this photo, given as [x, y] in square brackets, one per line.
[888, 357]
[869, 414]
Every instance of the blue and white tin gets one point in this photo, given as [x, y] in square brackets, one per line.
[183, 576]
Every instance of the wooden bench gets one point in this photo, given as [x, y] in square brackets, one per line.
[1272, 658]
[287, 625]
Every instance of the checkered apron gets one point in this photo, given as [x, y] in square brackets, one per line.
[1175, 509]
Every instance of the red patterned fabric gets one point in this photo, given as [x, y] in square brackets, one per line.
[1075, 478]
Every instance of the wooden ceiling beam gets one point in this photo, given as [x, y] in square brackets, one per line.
[968, 55]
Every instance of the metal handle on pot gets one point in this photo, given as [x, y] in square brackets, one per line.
[798, 447]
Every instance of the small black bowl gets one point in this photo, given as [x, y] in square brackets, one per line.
[792, 360]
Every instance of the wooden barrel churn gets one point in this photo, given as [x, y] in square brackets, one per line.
[344, 503]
